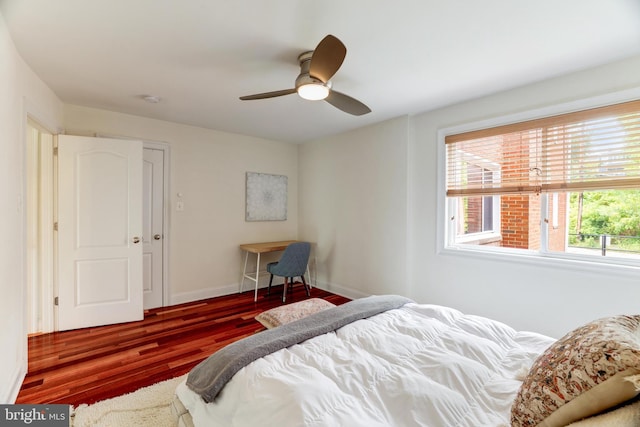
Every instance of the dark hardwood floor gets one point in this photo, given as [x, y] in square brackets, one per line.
[93, 364]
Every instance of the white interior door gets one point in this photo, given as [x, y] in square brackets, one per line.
[153, 226]
[99, 231]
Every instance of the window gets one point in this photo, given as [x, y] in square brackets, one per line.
[566, 184]
[477, 216]
[604, 223]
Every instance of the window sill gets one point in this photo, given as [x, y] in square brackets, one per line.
[479, 238]
[609, 267]
[484, 240]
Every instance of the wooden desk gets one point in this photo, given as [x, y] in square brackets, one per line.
[260, 248]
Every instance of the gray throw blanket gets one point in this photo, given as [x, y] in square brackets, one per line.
[210, 376]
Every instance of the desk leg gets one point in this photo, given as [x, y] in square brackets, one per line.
[244, 270]
[255, 297]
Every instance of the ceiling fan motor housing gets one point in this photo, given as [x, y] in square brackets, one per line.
[304, 78]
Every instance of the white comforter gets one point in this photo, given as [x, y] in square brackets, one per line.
[420, 365]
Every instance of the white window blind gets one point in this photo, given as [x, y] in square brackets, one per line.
[585, 150]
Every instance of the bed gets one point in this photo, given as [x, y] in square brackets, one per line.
[398, 364]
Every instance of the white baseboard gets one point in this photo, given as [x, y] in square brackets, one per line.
[11, 393]
[200, 294]
[341, 290]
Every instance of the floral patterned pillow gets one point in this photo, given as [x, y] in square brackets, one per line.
[584, 373]
[290, 312]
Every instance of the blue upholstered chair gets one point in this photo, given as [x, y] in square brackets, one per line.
[292, 264]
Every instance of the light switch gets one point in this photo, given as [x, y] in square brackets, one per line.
[180, 205]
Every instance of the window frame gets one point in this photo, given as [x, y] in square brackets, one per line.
[446, 239]
[457, 239]
[481, 235]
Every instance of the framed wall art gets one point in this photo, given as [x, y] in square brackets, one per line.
[266, 197]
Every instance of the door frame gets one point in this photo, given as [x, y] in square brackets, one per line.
[40, 212]
[31, 112]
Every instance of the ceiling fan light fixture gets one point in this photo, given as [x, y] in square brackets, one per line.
[317, 67]
[313, 91]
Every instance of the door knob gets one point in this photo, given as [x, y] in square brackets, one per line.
[136, 239]
[157, 236]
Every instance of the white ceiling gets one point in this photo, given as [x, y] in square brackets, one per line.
[403, 57]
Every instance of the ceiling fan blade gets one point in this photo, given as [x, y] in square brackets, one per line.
[327, 58]
[268, 94]
[347, 104]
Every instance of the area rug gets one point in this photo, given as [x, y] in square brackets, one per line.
[148, 406]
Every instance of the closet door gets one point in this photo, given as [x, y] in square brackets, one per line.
[153, 227]
[99, 231]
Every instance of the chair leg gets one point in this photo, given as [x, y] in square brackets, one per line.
[306, 287]
[284, 293]
[269, 288]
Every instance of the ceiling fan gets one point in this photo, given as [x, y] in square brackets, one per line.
[313, 83]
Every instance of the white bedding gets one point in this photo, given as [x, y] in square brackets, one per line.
[420, 365]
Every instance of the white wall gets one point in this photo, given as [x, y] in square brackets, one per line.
[548, 298]
[22, 93]
[353, 198]
[362, 256]
[208, 167]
